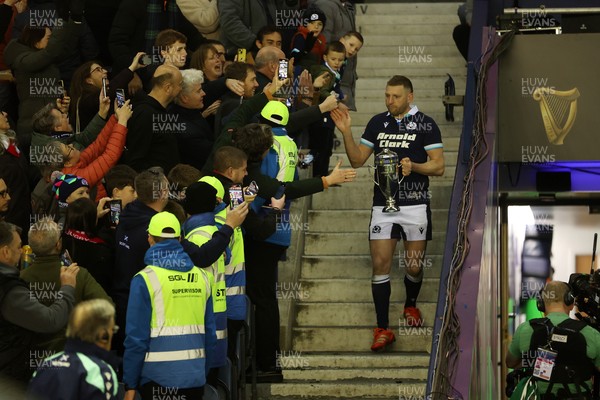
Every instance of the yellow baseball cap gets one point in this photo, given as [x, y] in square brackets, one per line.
[162, 221]
[276, 112]
[214, 182]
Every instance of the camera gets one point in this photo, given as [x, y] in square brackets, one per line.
[586, 290]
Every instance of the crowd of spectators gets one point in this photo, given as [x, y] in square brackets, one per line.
[123, 130]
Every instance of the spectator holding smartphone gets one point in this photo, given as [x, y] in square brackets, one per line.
[87, 245]
[88, 81]
[99, 157]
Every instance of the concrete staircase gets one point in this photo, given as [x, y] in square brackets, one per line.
[334, 314]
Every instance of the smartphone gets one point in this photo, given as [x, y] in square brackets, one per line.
[241, 55]
[145, 59]
[104, 87]
[120, 97]
[283, 69]
[63, 93]
[115, 212]
[236, 196]
[65, 258]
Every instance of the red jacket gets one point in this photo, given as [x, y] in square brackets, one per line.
[100, 156]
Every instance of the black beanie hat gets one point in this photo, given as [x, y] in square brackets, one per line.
[312, 14]
[200, 197]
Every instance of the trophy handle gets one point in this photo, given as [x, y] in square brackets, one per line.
[376, 179]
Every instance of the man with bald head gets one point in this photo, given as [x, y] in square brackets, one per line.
[570, 348]
[151, 138]
[266, 65]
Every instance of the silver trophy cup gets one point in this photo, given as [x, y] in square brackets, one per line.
[386, 177]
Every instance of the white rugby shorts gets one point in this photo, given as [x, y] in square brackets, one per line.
[411, 223]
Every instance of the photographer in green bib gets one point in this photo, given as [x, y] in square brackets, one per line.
[554, 357]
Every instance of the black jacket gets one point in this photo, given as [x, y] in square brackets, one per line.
[151, 137]
[195, 139]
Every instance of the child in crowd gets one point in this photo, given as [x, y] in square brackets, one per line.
[321, 133]
[308, 44]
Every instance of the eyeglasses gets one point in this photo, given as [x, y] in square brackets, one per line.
[4, 193]
[71, 148]
[98, 68]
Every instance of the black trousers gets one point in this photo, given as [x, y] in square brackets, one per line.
[261, 283]
[321, 146]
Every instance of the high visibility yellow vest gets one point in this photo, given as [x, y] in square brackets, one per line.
[178, 308]
[216, 271]
[287, 156]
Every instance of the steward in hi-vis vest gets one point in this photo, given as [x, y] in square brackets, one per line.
[235, 274]
[170, 331]
[199, 203]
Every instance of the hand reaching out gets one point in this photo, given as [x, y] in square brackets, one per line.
[338, 175]
[212, 109]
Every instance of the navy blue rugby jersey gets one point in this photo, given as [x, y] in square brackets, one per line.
[411, 137]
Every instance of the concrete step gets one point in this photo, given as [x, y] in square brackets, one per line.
[422, 20]
[321, 221]
[408, 28]
[417, 70]
[366, 359]
[357, 314]
[413, 56]
[419, 81]
[356, 290]
[405, 10]
[358, 195]
[360, 266]
[320, 375]
[351, 338]
[388, 389]
[393, 41]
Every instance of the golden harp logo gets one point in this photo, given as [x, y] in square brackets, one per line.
[559, 110]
